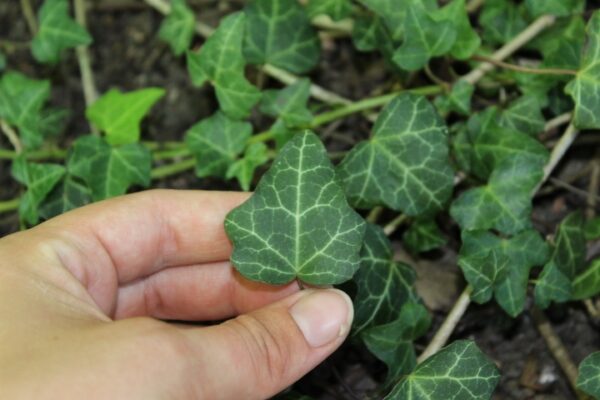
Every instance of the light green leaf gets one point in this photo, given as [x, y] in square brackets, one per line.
[109, 171]
[467, 41]
[524, 115]
[221, 61]
[585, 88]
[39, 179]
[501, 21]
[588, 379]
[459, 371]
[559, 8]
[68, 195]
[57, 32]
[279, 32]
[119, 115]
[298, 224]
[289, 104]
[458, 100]
[587, 284]
[243, 169]
[177, 29]
[216, 142]
[592, 229]
[504, 203]
[405, 165]
[423, 235]
[336, 9]
[383, 285]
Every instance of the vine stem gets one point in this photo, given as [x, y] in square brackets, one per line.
[558, 153]
[12, 136]
[90, 92]
[29, 15]
[9, 205]
[394, 224]
[527, 70]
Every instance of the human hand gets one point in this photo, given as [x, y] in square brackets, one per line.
[81, 295]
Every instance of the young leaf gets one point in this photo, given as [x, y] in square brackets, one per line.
[405, 165]
[222, 62]
[383, 285]
[119, 115]
[587, 284]
[423, 235]
[177, 29]
[459, 371]
[109, 171]
[66, 196]
[216, 142]
[243, 169]
[279, 33]
[336, 9]
[560, 8]
[298, 224]
[588, 379]
[57, 32]
[458, 100]
[501, 20]
[467, 41]
[289, 104]
[524, 115]
[39, 179]
[585, 88]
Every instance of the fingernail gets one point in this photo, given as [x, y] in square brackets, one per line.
[323, 316]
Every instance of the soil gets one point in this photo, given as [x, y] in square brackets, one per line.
[128, 55]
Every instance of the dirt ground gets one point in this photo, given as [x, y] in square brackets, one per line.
[127, 54]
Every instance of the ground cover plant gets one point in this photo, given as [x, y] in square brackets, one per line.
[383, 141]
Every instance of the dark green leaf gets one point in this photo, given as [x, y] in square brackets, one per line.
[592, 229]
[587, 284]
[524, 115]
[289, 104]
[501, 21]
[68, 195]
[458, 100]
[423, 235]
[177, 29]
[589, 375]
[560, 8]
[552, 285]
[336, 9]
[243, 169]
[467, 41]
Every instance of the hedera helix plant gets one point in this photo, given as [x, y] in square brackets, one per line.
[435, 153]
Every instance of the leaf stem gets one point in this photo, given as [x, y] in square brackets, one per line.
[527, 70]
[558, 153]
[394, 224]
[9, 205]
[90, 91]
[173, 169]
[12, 136]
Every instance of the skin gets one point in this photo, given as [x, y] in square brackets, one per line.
[82, 297]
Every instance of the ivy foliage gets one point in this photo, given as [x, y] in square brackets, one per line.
[178, 28]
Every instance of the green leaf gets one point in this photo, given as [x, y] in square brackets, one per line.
[585, 88]
[243, 169]
[39, 179]
[459, 371]
[504, 203]
[383, 285]
[2, 61]
[279, 33]
[458, 100]
[423, 235]
[405, 165]
[57, 32]
[336, 9]
[221, 61]
[289, 104]
[588, 379]
[587, 284]
[298, 224]
[216, 142]
[109, 171]
[119, 115]
[392, 343]
[501, 21]
[68, 195]
[22, 105]
[524, 115]
[592, 229]
[467, 41]
[177, 29]
[559, 8]
[552, 285]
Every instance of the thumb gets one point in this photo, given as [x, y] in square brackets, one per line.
[257, 355]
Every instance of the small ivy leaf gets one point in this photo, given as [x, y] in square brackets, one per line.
[216, 142]
[423, 235]
[392, 343]
[119, 115]
[383, 285]
[552, 285]
[592, 229]
[467, 41]
[585, 88]
[588, 379]
[298, 224]
[109, 171]
[587, 284]
[365, 32]
[57, 32]
[405, 165]
[336, 9]
[221, 61]
[39, 179]
[523, 115]
[289, 104]
[459, 371]
[243, 169]
[426, 35]
[279, 33]
[484, 273]
[68, 195]
[22, 105]
[501, 21]
[504, 203]
[559, 8]
[458, 100]
[282, 134]
[177, 29]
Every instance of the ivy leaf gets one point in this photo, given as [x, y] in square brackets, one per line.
[68, 195]
[383, 285]
[501, 21]
[504, 203]
[588, 379]
[216, 143]
[289, 104]
[336, 9]
[423, 235]
[177, 29]
[587, 284]
[22, 105]
[392, 343]
[57, 32]
[524, 115]
[109, 171]
[279, 33]
[585, 88]
[459, 371]
[559, 8]
[552, 285]
[243, 169]
[405, 165]
[2, 61]
[467, 41]
[592, 229]
[298, 224]
[119, 115]
[221, 61]
[458, 100]
[39, 179]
